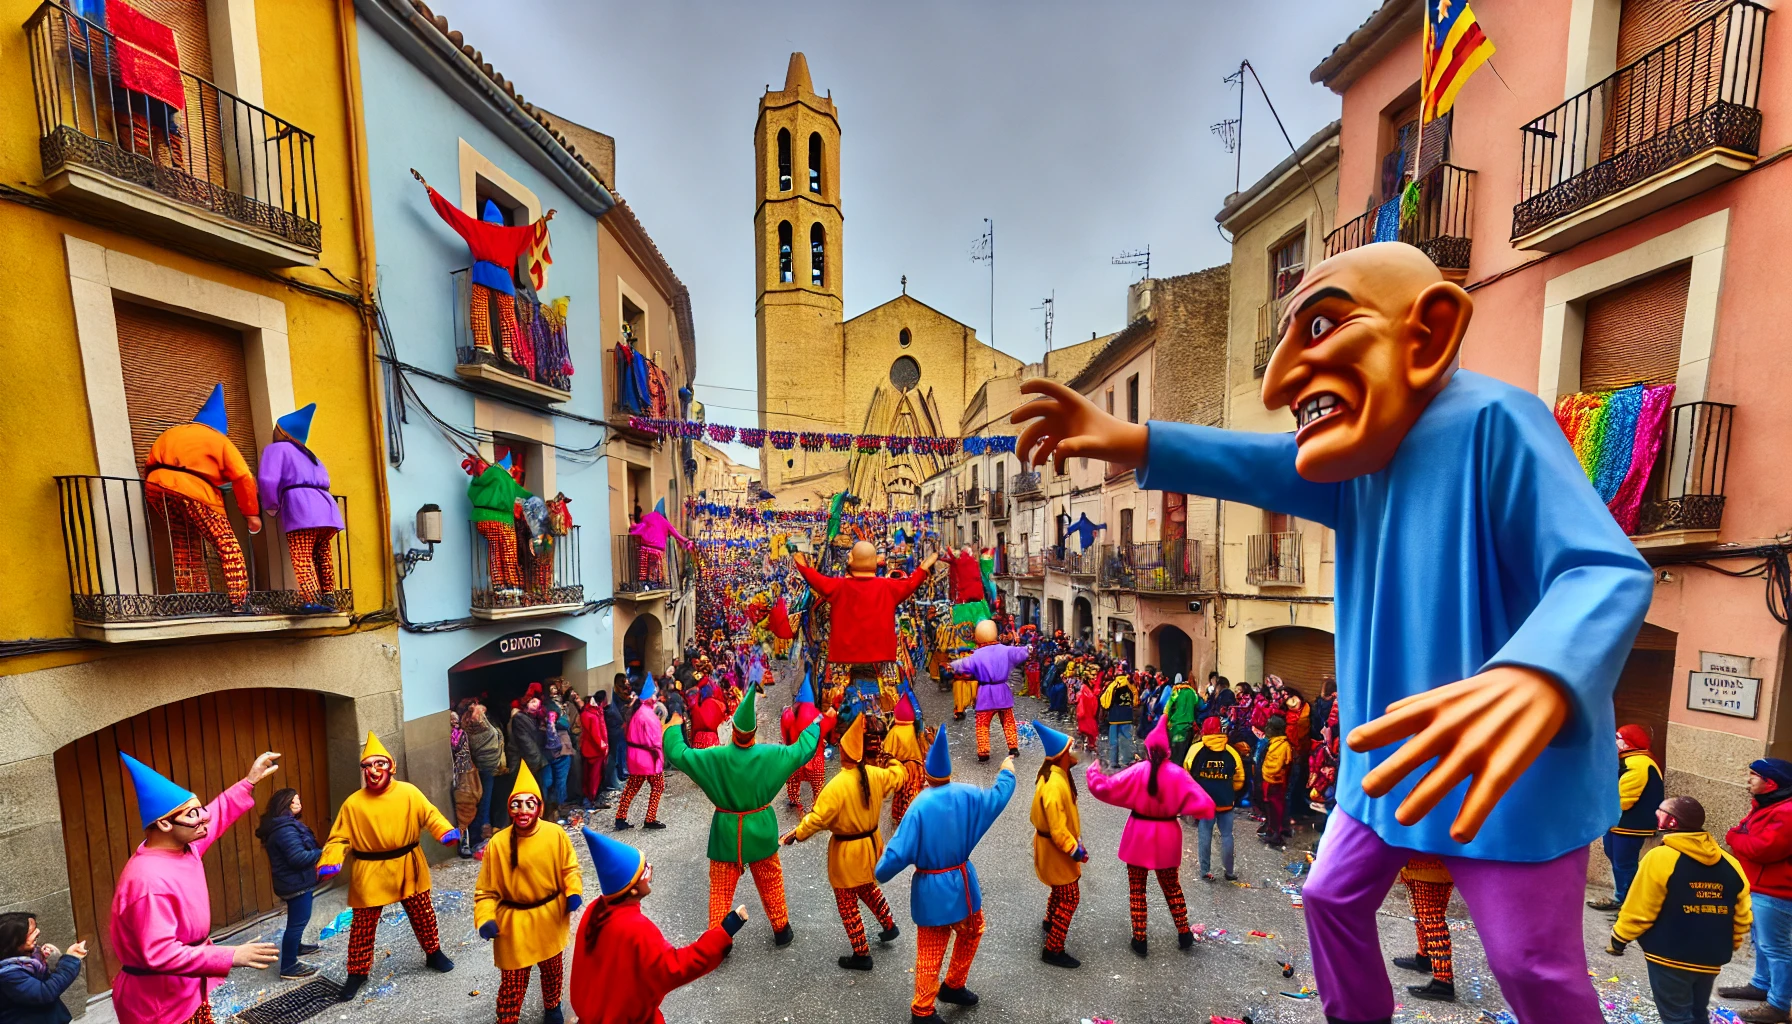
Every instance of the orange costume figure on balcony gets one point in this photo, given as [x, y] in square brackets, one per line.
[187, 467]
[295, 488]
[494, 494]
[495, 247]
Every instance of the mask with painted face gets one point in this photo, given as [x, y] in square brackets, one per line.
[525, 811]
[376, 774]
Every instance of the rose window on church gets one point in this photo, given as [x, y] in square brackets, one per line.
[905, 373]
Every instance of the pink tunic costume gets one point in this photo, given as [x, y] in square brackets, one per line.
[646, 748]
[161, 920]
[1152, 838]
[654, 529]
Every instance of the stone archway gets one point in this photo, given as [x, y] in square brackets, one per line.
[1082, 620]
[643, 647]
[1173, 651]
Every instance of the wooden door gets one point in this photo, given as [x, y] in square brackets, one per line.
[205, 744]
[1646, 687]
[1301, 656]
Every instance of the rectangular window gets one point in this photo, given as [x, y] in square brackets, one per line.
[1126, 526]
[1632, 333]
[1132, 399]
[1277, 522]
[1287, 262]
[1110, 401]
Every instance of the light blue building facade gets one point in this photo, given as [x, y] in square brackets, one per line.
[469, 629]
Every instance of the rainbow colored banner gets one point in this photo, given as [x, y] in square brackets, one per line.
[1616, 435]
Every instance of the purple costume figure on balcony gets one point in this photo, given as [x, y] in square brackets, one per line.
[295, 490]
[651, 534]
[1486, 604]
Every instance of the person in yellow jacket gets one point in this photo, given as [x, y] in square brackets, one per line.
[381, 824]
[850, 806]
[1120, 699]
[964, 691]
[529, 886]
[1640, 791]
[1688, 908]
[1274, 770]
[1058, 853]
[904, 748]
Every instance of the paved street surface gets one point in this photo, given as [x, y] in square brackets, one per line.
[1233, 973]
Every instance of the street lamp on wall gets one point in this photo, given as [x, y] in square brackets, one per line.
[429, 531]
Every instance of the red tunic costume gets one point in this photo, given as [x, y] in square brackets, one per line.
[967, 577]
[862, 615]
[631, 968]
[707, 716]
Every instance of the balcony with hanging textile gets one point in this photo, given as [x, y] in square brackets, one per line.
[638, 386]
[1676, 121]
[511, 344]
[538, 579]
[1167, 566]
[1026, 485]
[140, 569]
[125, 133]
[1436, 221]
[1659, 468]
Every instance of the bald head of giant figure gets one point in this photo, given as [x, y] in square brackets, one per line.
[862, 560]
[1370, 337]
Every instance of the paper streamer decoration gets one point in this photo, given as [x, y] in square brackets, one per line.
[1617, 435]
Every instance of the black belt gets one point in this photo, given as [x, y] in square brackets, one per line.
[145, 972]
[384, 854]
[847, 837]
[1152, 817]
[551, 897]
[314, 487]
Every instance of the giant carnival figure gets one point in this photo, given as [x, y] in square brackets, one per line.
[1486, 604]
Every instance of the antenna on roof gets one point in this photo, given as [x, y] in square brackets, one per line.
[1231, 131]
[1046, 304]
[1136, 258]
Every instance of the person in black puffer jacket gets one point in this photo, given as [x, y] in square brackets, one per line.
[293, 852]
[30, 989]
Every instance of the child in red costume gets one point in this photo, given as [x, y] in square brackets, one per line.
[791, 724]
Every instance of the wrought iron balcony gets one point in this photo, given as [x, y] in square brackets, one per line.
[213, 152]
[1440, 228]
[1274, 559]
[535, 364]
[1019, 562]
[544, 582]
[1678, 119]
[998, 507]
[1026, 485]
[973, 498]
[1167, 566]
[1269, 322]
[1686, 487]
[644, 574]
[138, 569]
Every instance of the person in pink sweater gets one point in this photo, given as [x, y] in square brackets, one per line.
[646, 758]
[653, 531]
[161, 909]
[1157, 791]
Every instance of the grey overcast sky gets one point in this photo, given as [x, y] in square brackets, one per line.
[1082, 129]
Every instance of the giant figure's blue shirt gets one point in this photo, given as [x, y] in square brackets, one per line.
[1480, 544]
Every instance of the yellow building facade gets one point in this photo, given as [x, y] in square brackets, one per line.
[901, 368]
[162, 237]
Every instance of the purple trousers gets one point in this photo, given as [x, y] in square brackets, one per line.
[1528, 917]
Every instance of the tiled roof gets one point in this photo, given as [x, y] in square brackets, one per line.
[1372, 35]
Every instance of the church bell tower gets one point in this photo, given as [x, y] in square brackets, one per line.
[798, 244]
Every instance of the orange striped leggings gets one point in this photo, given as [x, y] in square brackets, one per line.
[192, 525]
[366, 925]
[930, 949]
[515, 985]
[768, 878]
[313, 565]
[1008, 730]
[906, 795]
[500, 548]
[511, 341]
[814, 772]
[1060, 907]
[1429, 902]
[848, 902]
[1169, 881]
[656, 787]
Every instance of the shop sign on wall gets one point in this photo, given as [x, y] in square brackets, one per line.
[1723, 685]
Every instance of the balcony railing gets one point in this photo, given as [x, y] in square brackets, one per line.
[1273, 559]
[1694, 94]
[973, 498]
[1269, 322]
[546, 582]
[135, 562]
[220, 153]
[998, 506]
[536, 364]
[639, 571]
[1440, 228]
[1115, 568]
[1020, 563]
[1167, 566]
[1026, 485]
[1686, 489]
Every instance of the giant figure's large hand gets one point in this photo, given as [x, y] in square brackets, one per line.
[1065, 424]
[1489, 726]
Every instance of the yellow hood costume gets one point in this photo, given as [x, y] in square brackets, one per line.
[841, 808]
[383, 830]
[525, 892]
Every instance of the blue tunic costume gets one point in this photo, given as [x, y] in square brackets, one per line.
[937, 835]
[1481, 544]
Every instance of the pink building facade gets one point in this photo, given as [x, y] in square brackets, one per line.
[1611, 191]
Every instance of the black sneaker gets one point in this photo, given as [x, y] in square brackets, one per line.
[438, 961]
[888, 935]
[1434, 991]
[623, 823]
[1742, 992]
[982, 757]
[351, 988]
[784, 937]
[855, 962]
[957, 996]
[1185, 939]
[1013, 751]
[554, 1016]
[1607, 905]
[297, 971]
[1139, 947]
[1230, 877]
[1417, 962]
[1059, 959]
[307, 948]
[655, 825]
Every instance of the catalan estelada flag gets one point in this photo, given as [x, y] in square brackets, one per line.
[1454, 47]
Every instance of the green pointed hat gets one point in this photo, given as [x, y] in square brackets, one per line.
[746, 717]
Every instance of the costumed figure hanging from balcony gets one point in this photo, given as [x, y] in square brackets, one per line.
[495, 248]
[295, 490]
[1495, 661]
[497, 499]
[651, 536]
[185, 472]
[970, 602]
[161, 919]
[382, 824]
[862, 622]
[990, 665]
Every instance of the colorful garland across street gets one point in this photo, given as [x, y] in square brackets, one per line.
[810, 441]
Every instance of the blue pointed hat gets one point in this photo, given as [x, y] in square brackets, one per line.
[939, 758]
[156, 796]
[648, 689]
[504, 463]
[1051, 740]
[806, 693]
[297, 423]
[660, 506]
[491, 214]
[212, 412]
[619, 865]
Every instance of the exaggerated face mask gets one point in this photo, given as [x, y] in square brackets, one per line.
[376, 774]
[525, 811]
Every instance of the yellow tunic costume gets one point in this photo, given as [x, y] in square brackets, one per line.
[1057, 827]
[384, 822]
[902, 745]
[527, 895]
[841, 808]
